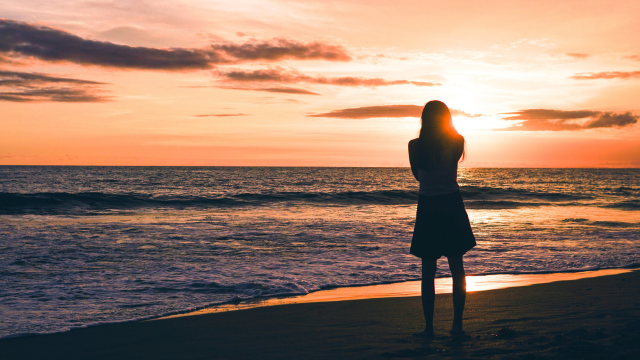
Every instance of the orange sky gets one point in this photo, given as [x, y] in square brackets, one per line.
[326, 83]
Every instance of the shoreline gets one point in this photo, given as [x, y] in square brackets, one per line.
[401, 289]
[595, 318]
[409, 288]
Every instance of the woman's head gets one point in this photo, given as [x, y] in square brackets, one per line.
[437, 129]
[437, 122]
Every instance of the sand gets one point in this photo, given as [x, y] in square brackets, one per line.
[407, 288]
[593, 318]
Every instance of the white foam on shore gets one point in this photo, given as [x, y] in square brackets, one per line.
[386, 290]
[407, 289]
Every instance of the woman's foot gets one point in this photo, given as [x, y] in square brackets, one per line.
[424, 333]
[456, 327]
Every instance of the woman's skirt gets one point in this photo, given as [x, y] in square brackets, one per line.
[442, 227]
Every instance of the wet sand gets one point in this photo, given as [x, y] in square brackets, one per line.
[591, 318]
[404, 289]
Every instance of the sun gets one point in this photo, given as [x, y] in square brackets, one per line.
[467, 124]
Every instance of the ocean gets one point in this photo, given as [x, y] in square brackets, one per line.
[91, 245]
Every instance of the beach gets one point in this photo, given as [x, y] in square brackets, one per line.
[119, 263]
[273, 179]
[99, 245]
[592, 318]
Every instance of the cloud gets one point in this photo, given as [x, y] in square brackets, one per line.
[633, 57]
[34, 87]
[45, 43]
[5, 60]
[368, 112]
[578, 55]
[15, 78]
[607, 75]
[556, 120]
[222, 115]
[457, 113]
[287, 90]
[60, 95]
[539, 42]
[281, 75]
[279, 89]
[48, 44]
[550, 114]
[279, 48]
[383, 111]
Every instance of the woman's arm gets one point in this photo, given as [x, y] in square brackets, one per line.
[412, 158]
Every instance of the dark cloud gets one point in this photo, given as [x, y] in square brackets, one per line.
[48, 44]
[287, 76]
[383, 111]
[287, 90]
[607, 75]
[556, 120]
[60, 95]
[256, 75]
[222, 115]
[45, 43]
[609, 119]
[278, 49]
[280, 89]
[578, 55]
[33, 87]
[15, 78]
[550, 114]
[358, 81]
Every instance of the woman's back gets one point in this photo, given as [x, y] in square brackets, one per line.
[437, 175]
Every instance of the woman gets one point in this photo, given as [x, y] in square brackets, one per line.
[442, 226]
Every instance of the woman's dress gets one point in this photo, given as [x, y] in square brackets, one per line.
[442, 225]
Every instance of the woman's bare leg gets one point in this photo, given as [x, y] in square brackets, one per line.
[429, 268]
[459, 292]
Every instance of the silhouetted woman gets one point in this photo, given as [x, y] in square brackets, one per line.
[442, 225]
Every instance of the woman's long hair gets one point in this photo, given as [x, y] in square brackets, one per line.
[438, 133]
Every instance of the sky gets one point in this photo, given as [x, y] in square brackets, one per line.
[317, 83]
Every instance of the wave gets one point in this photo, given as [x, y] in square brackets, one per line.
[626, 191]
[633, 204]
[65, 202]
[55, 202]
[493, 193]
[253, 294]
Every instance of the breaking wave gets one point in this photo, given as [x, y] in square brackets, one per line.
[64, 202]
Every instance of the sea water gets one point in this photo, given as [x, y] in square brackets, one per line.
[90, 245]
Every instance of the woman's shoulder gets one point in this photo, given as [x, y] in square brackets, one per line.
[414, 143]
[416, 146]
